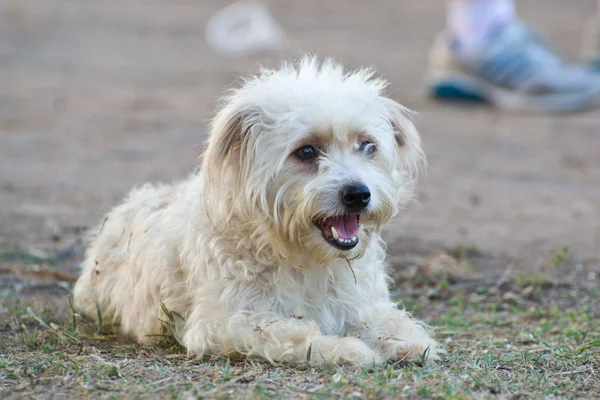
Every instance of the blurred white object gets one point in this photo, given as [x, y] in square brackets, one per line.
[244, 28]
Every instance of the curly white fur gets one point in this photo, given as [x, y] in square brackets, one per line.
[233, 248]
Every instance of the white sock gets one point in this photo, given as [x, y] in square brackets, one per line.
[469, 23]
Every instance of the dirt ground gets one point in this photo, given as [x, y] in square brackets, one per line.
[98, 96]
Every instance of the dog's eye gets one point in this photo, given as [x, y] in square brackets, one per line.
[306, 153]
[367, 147]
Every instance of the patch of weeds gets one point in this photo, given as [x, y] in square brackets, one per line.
[465, 250]
[226, 370]
[261, 392]
[112, 372]
[589, 346]
[99, 318]
[410, 304]
[529, 281]
[455, 319]
[558, 259]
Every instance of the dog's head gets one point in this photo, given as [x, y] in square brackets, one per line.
[309, 160]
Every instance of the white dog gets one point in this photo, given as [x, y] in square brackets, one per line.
[273, 248]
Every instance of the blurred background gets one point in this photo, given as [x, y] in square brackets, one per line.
[99, 95]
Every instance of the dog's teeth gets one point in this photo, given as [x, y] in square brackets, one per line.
[334, 233]
[341, 240]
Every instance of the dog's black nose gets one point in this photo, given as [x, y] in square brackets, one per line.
[355, 197]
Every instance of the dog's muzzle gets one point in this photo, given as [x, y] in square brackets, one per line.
[341, 231]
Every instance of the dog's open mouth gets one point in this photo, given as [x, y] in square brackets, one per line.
[340, 231]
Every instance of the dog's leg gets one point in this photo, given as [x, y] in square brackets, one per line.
[397, 335]
[276, 339]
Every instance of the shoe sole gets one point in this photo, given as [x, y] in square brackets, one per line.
[461, 87]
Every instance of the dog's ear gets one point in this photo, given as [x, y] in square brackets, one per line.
[230, 133]
[408, 141]
[226, 160]
[228, 139]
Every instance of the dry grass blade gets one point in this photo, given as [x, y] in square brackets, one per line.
[50, 327]
[351, 270]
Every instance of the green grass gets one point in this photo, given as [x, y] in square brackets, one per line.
[528, 340]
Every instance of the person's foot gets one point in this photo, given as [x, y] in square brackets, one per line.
[516, 70]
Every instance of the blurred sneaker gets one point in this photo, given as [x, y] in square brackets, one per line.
[590, 43]
[516, 71]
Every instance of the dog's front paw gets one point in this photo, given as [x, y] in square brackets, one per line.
[426, 348]
[345, 350]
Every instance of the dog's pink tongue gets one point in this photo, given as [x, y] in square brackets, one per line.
[346, 226]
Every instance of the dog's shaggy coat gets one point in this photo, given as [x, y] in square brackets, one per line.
[244, 250]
